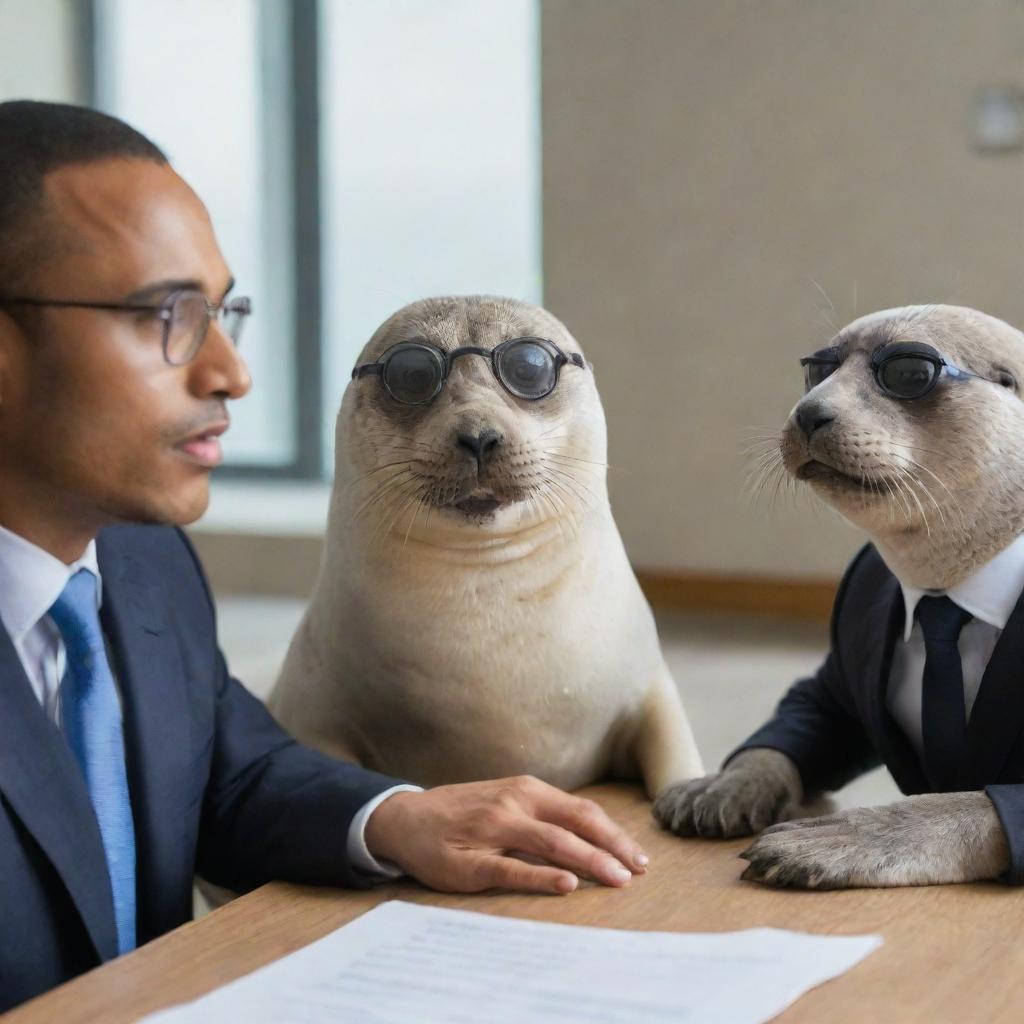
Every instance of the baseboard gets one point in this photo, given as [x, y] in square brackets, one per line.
[792, 598]
[286, 566]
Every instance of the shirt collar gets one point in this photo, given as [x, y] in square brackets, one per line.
[31, 579]
[990, 594]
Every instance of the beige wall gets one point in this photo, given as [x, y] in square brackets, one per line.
[38, 50]
[704, 162]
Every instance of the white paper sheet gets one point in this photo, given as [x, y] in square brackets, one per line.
[402, 963]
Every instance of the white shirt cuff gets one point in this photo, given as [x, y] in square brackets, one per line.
[358, 854]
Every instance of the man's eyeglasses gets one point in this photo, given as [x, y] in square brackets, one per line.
[414, 372]
[185, 315]
[906, 370]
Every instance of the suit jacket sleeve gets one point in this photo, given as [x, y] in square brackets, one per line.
[816, 724]
[1008, 800]
[272, 808]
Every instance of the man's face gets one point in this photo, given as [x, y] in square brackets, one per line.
[94, 425]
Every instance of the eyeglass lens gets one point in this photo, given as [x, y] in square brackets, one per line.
[413, 375]
[815, 373]
[527, 369]
[907, 376]
[189, 320]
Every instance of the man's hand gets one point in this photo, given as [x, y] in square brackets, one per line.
[926, 840]
[470, 837]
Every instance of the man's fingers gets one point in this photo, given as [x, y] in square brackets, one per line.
[494, 871]
[558, 846]
[588, 821]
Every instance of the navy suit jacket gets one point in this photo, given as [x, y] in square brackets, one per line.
[216, 786]
[835, 725]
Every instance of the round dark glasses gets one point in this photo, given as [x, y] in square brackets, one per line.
[414, 372]
[906, 370]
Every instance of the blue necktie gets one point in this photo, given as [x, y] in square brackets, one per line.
[91, 714]
[943, 715]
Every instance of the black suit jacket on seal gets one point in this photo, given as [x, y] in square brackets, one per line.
[835, 725]
[216, 787]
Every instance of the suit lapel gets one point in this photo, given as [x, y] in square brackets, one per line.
[998, 713]
[43, 784]
[157, 735]
[887, 614]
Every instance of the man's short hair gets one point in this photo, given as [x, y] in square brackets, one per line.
[35, 139]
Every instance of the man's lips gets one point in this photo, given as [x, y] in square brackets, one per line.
[203, 447]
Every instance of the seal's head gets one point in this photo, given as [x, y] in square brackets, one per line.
[480, 441]
[912, 427]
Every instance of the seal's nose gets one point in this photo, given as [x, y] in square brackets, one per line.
[812, 416]
[481, 446]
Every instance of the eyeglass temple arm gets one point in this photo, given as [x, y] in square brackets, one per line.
[366, 369]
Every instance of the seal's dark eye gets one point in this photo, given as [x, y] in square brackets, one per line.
[527, 369]
[907, 376]
[413, 374]
[1006, 379]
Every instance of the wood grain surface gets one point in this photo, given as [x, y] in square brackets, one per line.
[951, 953]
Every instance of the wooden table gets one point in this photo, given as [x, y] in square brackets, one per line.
[951, 953]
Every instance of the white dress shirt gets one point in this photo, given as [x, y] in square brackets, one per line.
[31, 579]
[990, 595]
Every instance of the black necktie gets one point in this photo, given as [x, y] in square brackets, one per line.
[943, 717]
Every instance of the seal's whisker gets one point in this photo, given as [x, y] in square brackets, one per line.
[381, 493]
[542, 496]
[408, 497]
[753, 451]
[921, 509]
[892, 500]
[383, 489]
[569, 497]
[377, 469]
[834, 318]
[566, 475]
[558, 510]
[899, 496]
[952, 497]
[393, 508]
[770, 474]
[555, 454]
[416, 511]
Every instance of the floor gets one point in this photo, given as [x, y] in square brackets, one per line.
[731, 671]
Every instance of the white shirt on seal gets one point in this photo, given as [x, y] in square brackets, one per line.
[990, 595]
[31, 579]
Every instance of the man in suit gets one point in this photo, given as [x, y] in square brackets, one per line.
[912, 427]
[129, 757]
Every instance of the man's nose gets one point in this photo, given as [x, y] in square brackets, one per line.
[812, 416]
[481, 445]
[217, 368]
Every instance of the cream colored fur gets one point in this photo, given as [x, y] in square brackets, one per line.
[441, 646]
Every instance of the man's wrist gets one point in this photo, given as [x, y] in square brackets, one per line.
[363, 853]
[387, 831]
